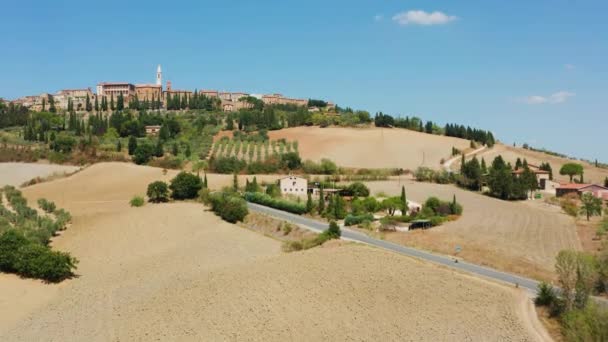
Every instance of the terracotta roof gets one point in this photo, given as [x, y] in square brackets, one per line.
[574, 186]
[148, 85]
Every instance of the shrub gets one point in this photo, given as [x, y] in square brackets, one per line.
[277, 203]
[38, 261]
[137, 201]
[587, 324]
[227, 165]
[158, 192]
[333, 232]
[143, 153]
[569, 205]
[229, 207]
[546, 295]
[10, 243]
[352, 220]
[291, 160]
[185, 186]
[45, 205]
[204, 196]
[357, 189]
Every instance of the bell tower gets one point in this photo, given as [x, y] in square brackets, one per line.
[159, 76]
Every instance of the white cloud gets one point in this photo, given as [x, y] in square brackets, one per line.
[418, 17]
[559, 97]
[378, 17]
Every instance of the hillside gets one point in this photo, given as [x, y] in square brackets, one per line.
[372, 147]
[510, 154]
[175, 271]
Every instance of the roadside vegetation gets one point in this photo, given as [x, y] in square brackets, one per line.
[25, 235]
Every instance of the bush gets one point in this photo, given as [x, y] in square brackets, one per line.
[45, 205]
[229, 207]
[38, 261]
[10, 243]
[227, 165]
[158, 192]
[143, 153]
[277, 203]
[333, 232]
[546, 295]
[569, 205]
[137, 201]
[185, 186]
[204, 196]
[357, 189]
[352, 220]
[588, 324]
[291, 160]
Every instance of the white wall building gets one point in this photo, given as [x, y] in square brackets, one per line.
[294, 185]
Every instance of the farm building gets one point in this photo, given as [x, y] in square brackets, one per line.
[597, 190]
[152, 130]
[294, 185]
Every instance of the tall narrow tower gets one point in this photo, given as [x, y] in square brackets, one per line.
[159, 76]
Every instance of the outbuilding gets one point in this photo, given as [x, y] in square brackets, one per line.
[293, 185]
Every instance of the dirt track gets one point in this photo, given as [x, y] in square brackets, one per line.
[176, 272]
[372, 147]
[16, 174]
[518, 237]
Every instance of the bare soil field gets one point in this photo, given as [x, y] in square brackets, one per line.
[372, 147]
[17, 173]
[510, 154]
[177, 272]
[519, 237]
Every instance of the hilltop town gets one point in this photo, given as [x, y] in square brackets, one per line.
[149, 96]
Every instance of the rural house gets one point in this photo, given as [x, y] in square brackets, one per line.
[597, 190]
[152, 130]
[294, 185]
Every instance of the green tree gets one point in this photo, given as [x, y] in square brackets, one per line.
[404, 206]
[309, 204]
[96, 104]
[164, 133]
[118, 146]
[158, 192]
[143, 153]
[120, 103]
[87, 105]
[188, 152]
[321, 200]
[174, 149]
[571, 170]
[606, 182]
[590, 205]
[185, 186]
[112, 106]
[235, 183]
[333, 232]
[339, 207]
[159, 151]
[500, 179]
[132, 145]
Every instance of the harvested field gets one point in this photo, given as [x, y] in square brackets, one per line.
[176, 272]
[372, 147]
[510, 154]
[519, 237]
[16, 174]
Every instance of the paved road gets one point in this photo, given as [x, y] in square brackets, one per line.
[349, 234]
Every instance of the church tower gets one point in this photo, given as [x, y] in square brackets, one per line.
[159, 76]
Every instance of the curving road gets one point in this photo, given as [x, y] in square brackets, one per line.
[348, 234]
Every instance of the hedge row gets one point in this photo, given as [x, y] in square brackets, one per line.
[277, 203]
[352, 220]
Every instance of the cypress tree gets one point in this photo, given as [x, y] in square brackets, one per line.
[112, 107]
[132, 145]
[88, 104]
[254, 185]
[309, 205]
[205, 184]
[159, 151]
[404, 208]
[96, 104]
[235, 183]
[118, 146]
[321, 200]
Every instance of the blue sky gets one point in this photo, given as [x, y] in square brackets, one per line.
[530, 71]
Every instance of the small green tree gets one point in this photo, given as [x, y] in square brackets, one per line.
[132, 145]
[118, 146]
[159, 151]
[143, 153]
[185, 186]
[309, 204]
[235, 183]
[333, 232]
[571, 170]
[321, 200]
[158, 192]
[590, 205]
[404, 206]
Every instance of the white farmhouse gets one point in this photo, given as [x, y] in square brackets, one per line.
[294, 185]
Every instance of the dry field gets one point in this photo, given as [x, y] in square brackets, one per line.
[176, 272]
[510, 154]
[520, 237]
[17, 173]
[372, 147]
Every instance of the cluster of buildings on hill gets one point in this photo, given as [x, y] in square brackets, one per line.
[152, 92]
